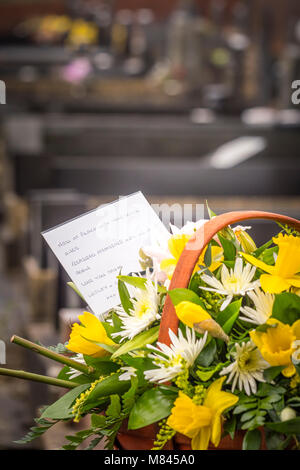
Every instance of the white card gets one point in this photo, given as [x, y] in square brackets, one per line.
[95, 247]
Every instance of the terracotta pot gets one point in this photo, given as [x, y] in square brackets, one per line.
[142, 439]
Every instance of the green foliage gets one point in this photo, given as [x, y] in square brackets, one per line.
[272, 372]
[109, 386]
[37, 431]
[229, 248]
[138, 342]
[140, 283]
[206, 373]
[106, 426]
[102, 365]
[182, 295]
[268, 256]
[252, 440]
[229, 315]
[292, 426]
[164, 435]
[59, 348]
[286, 308]
[73, 286]
[154, 405]
[62, 408]
[253, 409]
[207, 355]
[124, 296]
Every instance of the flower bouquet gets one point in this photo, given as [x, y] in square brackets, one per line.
[203, 351]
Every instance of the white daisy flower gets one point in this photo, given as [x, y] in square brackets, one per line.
[160, 251]
[189, 228]
[237, 281]
[73, 373]
[128, 373]
[145, 303]
[172, 360]
[263, 303]
[247, 368]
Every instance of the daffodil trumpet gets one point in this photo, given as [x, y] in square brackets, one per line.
[202, 423]
[285, 273]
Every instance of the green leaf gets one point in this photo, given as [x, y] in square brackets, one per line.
[139, 341]
[128, 399]
[207, 355]
[117, 322]
[36, 431]
[72, 285]
[268, 255]
[286, 308]
[103, 365]
[155, 404]
[230, 426]
[62, 408]
[124, 296]
[207, 256]
[185, 295]
[272, 372]
[292, 426]
[114, 409]
[109, 386]
[98, 421]
[210, 212]
[227, 318]
[229, 248]
[140, 283]
[252, 440]
[244, 407]
[261, 249]
[205, 374]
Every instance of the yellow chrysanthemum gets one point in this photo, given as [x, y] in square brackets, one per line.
[202, 423]
[284, 274]
[276, 344]
[176, 245]
[84, 337]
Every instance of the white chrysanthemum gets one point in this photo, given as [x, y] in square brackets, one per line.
[73, 373]
[160, 251]
[128, 372]
[145, 304]
[172, 360]
[237, 281]
[189, 228]
[263, 303]
[247, 368]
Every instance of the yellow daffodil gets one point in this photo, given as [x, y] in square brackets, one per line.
[202, 423]
[190, 313]
[84, 337]
[277, 344]
[285, 273]
[196, 317]
[176, 245]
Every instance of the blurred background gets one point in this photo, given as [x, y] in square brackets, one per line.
[185, 100]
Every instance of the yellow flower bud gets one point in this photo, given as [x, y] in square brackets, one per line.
[287, 414]
[247, 242]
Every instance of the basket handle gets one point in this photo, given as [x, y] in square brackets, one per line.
[193, 250]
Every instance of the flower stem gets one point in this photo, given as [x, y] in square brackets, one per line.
[52, 355]
[20, 374]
